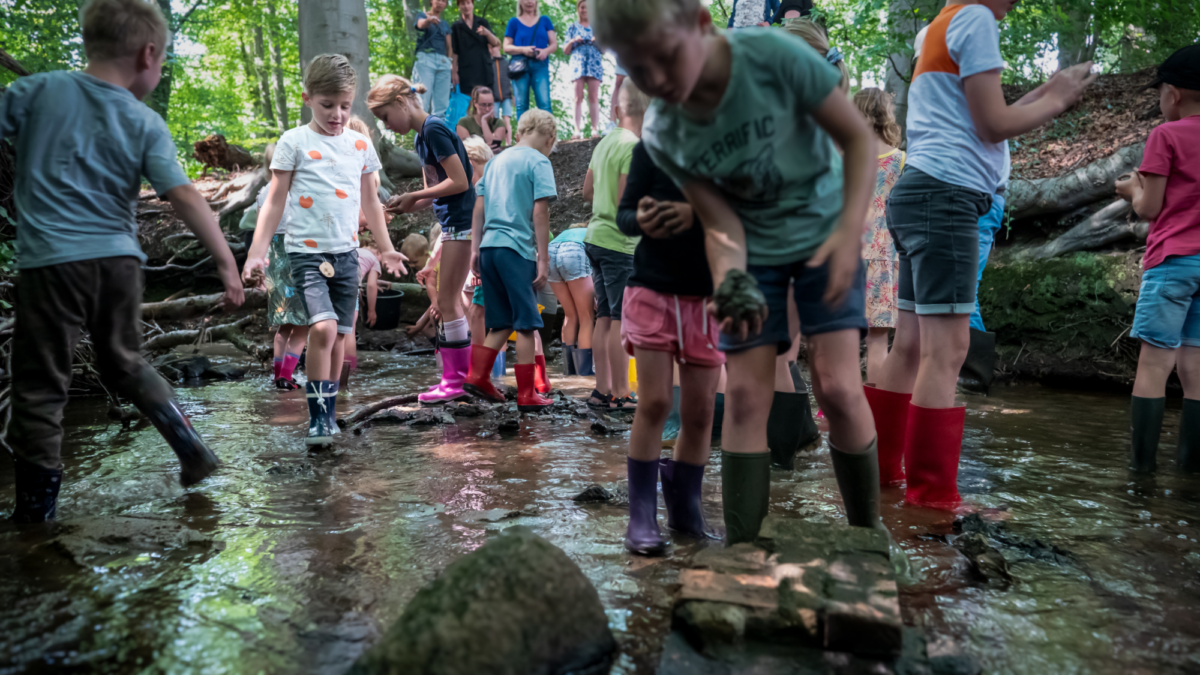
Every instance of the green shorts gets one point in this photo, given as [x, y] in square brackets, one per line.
[477, 296]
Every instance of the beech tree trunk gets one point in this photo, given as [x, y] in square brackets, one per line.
[337, 27]
[1112, 223]
[1081, 187]
[281, 111]
[264, 82]
[906, 18]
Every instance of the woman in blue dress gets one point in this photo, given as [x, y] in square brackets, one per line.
[587, 68]
[531, 36]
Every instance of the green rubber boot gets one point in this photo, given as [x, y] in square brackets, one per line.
[1188, 455]
[745, 493]
[858, 481]
[1146, 416]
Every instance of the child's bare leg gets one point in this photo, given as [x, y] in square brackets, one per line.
[351, 341]
[475, 319]
[579, 84]
[570, 327]
[618, 361]
[537, 343]
[1188, 365]
[748, 397]
[654, 404]
[945, 339]
[1154, 367]
[498, 339]
[336, 356]
[899, 370]
[583, 295]
[281, 340]
[837, 384]
[526, 346]
[296, 339]
[456, 259]
[593, 86]
[697, 393]
[600, 355]
[323, 337]
[877, 351]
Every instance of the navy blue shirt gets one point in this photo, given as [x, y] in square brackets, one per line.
[432, 38]
[435, 143]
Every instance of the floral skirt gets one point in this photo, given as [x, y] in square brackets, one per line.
[882, 291]
[284, 306]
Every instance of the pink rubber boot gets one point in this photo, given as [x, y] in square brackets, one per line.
[455, 364]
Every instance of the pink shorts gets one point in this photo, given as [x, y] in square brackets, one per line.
[677, 324]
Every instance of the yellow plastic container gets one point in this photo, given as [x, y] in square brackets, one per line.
[633, 374]
[513, 337]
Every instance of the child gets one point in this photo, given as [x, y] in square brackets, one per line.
[447, 178]
[753, 153]
[511, 234]
[611, 252]
[504, 90]
[1163, 191]
[80, 261]
[667, 322]
[957, 125]
[285, 307]
[587, 68]
[812, 33]
[878, 250]
[324, 172]
[571, 282]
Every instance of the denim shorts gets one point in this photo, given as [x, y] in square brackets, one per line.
[1168, 305]
[506, 108]
[568, 262]
[325, 297]
[610, 275]
[935, 226]
[509, 299]
[816, 318]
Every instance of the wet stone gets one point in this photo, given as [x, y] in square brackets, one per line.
[98, 540]
[615, 494]
[986, 560]
[607, 426]
[224, 372]
[426, 417]
[459, 409]
[515, 605]
[509, 424]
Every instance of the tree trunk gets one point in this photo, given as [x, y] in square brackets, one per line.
[1083, 186]
[337, 27]
[159, 100]
[1109, 224]
[281, 112]
[264, 82]
[906, 18]
[1075, 43]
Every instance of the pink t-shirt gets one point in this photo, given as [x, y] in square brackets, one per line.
[1173, 150]
[367, 262]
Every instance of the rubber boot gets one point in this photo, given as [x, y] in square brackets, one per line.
[331, 396]
[671, 428]
[642, 536]
[541, 382]
[745, 491]
[858, 481]
[584, 365]
[890, 410]
[798, 380]
[37, 492]
[790, 427]
[979, 369]
[568, 359]
[319, 432]
[682, 485]
[456, 361]
[156, 400]
[1188, 454]
[932, 445]
[1146, 416]
[718, 416]
[479, 376]
[528, 399]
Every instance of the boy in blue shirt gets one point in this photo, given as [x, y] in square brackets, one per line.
[84, 141]
[511, 239]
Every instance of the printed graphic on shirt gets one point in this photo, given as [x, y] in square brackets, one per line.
[754, 180]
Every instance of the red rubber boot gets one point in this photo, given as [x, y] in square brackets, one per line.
[890, 410]
[541, 381]
[932, 444]
[528, 399]
[479, 377]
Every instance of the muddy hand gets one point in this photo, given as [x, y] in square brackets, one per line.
[739, 305]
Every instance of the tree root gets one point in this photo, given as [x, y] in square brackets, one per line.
[363, 413]
[230, 332]
[1112, 223]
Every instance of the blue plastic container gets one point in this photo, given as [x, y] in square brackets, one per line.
[498, 366]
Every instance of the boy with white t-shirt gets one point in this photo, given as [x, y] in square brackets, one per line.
[321, 171]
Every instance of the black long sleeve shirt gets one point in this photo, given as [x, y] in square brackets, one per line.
[674, 266]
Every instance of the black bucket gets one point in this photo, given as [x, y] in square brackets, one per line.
[387, 310]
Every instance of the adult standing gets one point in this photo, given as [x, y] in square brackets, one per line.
[470, 39]
[587, 68]
[530, 37]
[433, 65]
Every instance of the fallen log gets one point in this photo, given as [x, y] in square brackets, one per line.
[175, 310]
[246, 193]
[216, 152]
[1083, 186]
[363, 413]
[1109, 224]
[186, 337]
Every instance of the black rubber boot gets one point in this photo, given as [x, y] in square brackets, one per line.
[718, 416]
[1188, 455]
[682, 486]
[798, 380]
[1146, 416]
[583, 362]
[789, 428]
[568, 359]
[37, 492]
[858, 481]
[745, 493]
[980, 367]
[642, 536]
[155, 398]
[671, 428]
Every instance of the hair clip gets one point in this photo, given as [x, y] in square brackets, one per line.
[833, 56]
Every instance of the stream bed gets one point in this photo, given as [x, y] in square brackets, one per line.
[287, 561]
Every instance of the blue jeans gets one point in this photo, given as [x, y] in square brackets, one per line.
[989, 225]
[538, 79]
[1168, 305]
[433, 71]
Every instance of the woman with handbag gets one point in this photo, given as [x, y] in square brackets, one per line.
[530, 38]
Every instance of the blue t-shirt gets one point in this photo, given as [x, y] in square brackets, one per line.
[537, 35]
[574, 234]
[435, 143]
[432, 38]
[511, 183]
[83, 146]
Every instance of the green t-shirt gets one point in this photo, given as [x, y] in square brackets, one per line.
[610, 161]
[779, 171]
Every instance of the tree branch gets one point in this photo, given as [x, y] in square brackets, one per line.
[12, 64]
[186, 15]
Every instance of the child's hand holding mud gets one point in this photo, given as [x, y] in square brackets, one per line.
[739, 305]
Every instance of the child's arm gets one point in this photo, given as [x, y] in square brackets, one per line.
[426, 275]
[1145, 191]
[541, 230]
[476, 233]
[456, 183]
[725, 242]
[268, 222]
[196, 214]
[373, 210]
[372, 294]
[996, 121]
[589, 187]
[843, 249]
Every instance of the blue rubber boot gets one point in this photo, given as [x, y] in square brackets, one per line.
[319, 413]
[584, 365]
[37, 492]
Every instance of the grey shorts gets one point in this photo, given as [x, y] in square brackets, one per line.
[568, 262]
[610, 275]
[936, 229]
[327, 298]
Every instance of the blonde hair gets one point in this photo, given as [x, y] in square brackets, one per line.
[537, 13]
[808, 30]
[356, 123]
[392, 88]
[538, 121]
[415, 246]
[633, 101]
[328, 75]
[113, 29]
[478, 150]
[879, 107]
[612, 20]
[475, 94]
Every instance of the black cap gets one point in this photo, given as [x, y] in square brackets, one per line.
[1181, 69]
